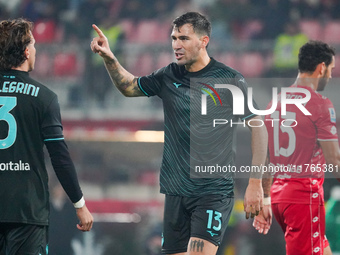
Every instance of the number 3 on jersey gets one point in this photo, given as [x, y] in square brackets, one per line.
[6, 105]
[286, 152]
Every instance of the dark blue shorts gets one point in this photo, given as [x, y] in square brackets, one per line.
[23, 239]
[204, 217]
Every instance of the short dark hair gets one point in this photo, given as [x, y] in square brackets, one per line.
[15, 36]
[313, 53]
[199, 22]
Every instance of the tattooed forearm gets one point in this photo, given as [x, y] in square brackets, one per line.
[196, 245]
[259, 141]
[267, 180]
[122, 79]
[256, 172]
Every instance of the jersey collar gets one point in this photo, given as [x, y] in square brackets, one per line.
[203, 70]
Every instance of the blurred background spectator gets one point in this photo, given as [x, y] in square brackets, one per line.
[286, 51]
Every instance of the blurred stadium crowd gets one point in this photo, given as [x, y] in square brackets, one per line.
[76, 16]
[260, 38]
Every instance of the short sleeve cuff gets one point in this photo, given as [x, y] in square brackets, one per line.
[140, 87]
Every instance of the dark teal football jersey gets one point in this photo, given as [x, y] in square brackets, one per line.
[29, 117]
[190, 140]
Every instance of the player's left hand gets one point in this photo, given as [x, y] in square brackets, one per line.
[85, 219]
[253, 198]
[263, 221]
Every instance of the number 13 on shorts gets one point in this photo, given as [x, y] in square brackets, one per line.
[214, 222]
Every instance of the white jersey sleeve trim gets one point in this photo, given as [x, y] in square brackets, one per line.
[327, 140]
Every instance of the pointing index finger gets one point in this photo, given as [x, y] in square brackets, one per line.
[99, 32]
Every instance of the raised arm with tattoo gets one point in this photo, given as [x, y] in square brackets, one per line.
[121, 78]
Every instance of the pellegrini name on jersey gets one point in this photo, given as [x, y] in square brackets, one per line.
[11, 166]
[20, 88]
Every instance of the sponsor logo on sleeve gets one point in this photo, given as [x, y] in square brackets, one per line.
[332, 114]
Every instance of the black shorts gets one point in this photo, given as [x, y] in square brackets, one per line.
[203, 217]
[23, 239]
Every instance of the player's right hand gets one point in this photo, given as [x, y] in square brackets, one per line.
[263, 221]
[85, 219]
[100, 44]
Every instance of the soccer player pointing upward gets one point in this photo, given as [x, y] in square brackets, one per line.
[197, 210]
